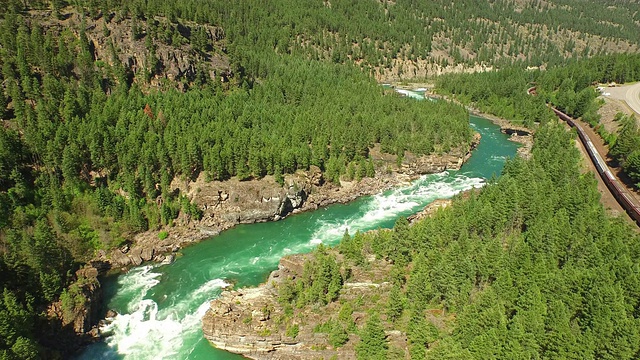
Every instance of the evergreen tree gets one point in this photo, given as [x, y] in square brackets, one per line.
[373, 342]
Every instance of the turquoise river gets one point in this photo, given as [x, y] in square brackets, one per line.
[160, 306]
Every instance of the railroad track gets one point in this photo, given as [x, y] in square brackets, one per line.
[619, 191]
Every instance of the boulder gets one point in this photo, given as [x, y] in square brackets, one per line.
[118, 259]
[147, 254]
[315, 176]
[136, 256]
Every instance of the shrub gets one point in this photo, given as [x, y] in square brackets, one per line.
[292, 331]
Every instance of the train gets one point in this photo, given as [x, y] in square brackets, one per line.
[626, 200]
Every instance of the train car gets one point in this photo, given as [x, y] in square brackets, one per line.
[626, 200]
[610, 176]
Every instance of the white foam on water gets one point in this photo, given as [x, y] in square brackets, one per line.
[207, 291]
[210, 287]
[136, 283]
[411, 94]
[391, 204]
[146, 332]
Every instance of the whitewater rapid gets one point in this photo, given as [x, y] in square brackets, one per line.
[166, 325]
[146, 332]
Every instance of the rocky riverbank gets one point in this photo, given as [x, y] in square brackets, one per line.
[225, 204]
[252, 321]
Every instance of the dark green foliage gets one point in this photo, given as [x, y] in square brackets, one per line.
[373, 341]
[338, 335]
[530, 267]
[419, 287]
[578, 99]
[374, 34]
[345, 317]
[292, 331]
[626, 149]
[87, 157]
[351, 248]
[287, 292]
[321, 281]
[502, 93]
[420, 334]
[400, 252]
[570, 87]
[554, 285]
[396, 304]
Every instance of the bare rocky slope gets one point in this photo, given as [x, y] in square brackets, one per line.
[155, 53]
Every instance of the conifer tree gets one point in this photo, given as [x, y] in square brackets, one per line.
[373, 342]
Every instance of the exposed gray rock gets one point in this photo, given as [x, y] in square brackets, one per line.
[147, 254]
[136, 256]
[118, 259]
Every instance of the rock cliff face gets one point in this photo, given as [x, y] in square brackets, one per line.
[225, 204]
[154, 52]
[73, 321]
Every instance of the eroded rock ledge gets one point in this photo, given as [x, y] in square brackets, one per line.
[250, 321]
[231, 202]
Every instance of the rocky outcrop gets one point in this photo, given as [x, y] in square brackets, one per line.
[244, 322]
[429, 164]
[73, 319]
[83, 317]
[429, 210]
[126, 256]
[182, 53]
[253, 323]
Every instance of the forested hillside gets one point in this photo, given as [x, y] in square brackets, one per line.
[89, 147]
[104, 103]
[530, 267]
[570, 88]
[396, 39]
[389, 39]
